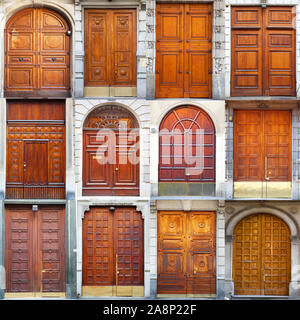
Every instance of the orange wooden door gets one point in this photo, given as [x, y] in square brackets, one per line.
[35, 249]
[186, 253]
[263, 51]
[183, 59]
[111, 153]
[261, 256]
[110, 47]
[262, 145]
[113, 247]
[35, 150]
[187, 146]
[37, 60]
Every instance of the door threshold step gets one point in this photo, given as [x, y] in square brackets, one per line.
[245, 297]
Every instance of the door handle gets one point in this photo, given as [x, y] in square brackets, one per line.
[117, 169]
[24, 165]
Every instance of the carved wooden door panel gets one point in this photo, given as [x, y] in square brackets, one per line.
[262, 145]
[187, 146]
[111, 153]
[261, 256]
[37, 54]
[110, 47]
[186, 253]
[113, 247]
[35, 249]
[263, 51]
[183, 55]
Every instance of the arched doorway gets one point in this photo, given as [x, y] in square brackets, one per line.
[187, 126]
[261, 256]
[37, 59]
[111, 152]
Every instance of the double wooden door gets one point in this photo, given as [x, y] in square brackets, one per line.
[183, 55]
[186, 252]
[263, 51]
[262, 145]
[113, 248]
[261, 256]
[37, 54]
[110, 47]
[35, 249]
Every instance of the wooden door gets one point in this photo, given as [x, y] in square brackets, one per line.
[111, 153]
[183, 55]
[35, 249]
[37, 60]
[186, 253]
[261, 256]
[187, 146]
[35, 150]
[113, 247]
[263, 51]
[36, 163]
[262, 145]
[110, 47]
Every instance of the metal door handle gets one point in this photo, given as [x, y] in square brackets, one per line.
[117, 169]
[24, 165]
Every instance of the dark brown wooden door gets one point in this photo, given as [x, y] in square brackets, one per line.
[37, 59]
[187, 146]
[183, 55]
[35, 150]
[261, 256]
[111, 153]
[35, 249]
[113, 247]
[263, 51]
[186, 252]
[110, 47]
[262, 145]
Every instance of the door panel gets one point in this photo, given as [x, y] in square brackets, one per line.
[183, 59]
[110, 46]
[38, 54]
[262, 145]
[263, 51]
[35, 249]
[261, 256]
[113, 247]
[186, 252]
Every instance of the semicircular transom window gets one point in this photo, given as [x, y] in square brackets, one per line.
[187, 146]
[37, 59]
[110, 152]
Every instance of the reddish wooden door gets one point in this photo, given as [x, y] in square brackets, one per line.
[261, 256]
[263, 51]
[37, 60]
[111, 153]
[187, 146]
[35, 249]
[113, 247]
[35, 150]
[183, 59]
[262, 145]
[110, 47]
[186, 253]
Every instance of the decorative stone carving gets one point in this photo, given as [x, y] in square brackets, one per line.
[150, 12]
[229, 210]
[293, 210]
[112, 117]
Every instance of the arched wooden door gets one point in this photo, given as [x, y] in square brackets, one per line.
[187, 146]
[110, 152]
[261, 256]
[37, 54]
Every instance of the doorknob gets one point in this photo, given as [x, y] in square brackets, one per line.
[24, 164]
[117, 169]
